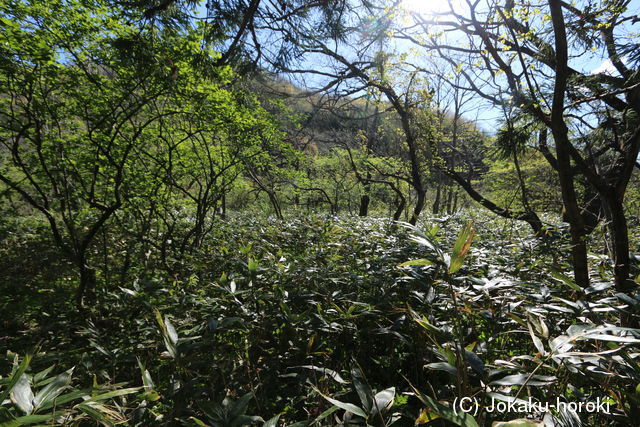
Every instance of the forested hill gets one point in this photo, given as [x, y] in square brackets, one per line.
[342, 212]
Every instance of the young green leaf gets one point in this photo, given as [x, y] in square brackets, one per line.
[461, 248]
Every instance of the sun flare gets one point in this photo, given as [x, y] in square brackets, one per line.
[425, 7]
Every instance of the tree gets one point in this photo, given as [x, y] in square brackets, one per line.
[521, 54]
[363, 61]
[71, 113]
[220, 135]
[104, 118]
[250, 34]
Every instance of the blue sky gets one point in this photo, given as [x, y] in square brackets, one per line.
[486, 115]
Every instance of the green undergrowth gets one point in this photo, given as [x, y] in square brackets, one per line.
[326, 321]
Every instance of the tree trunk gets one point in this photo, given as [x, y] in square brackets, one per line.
[436, 203]
[87, 283]
[399, 207]
[620, 244]
[418, 207]
[449, 200]
[364, 205]
[530, 217]
[365, 199]
[455, 202]
[563, 145]
[275, 204]
[579, 255]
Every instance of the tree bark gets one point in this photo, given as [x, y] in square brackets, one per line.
[402, 202]
[364, 205]
[529, 217]
[620, 244]
[223, 206]
[87, 283]
[365, 200]
[449, 200]
[561, 137]
[421, 198]
[436, 203]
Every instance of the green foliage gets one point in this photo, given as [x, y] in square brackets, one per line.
[133, 154]
[102, 123]
[375, 409]
[539, 177]
[228, 413]
[55, 400]
[312, 320]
